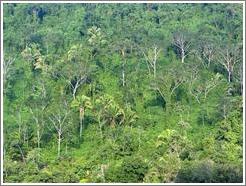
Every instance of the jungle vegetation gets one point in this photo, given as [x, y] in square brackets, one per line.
[125, 93]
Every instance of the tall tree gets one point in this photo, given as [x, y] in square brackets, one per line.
[151, 57]
[8, 67]
[182, 44]
[81, 103]
[59, 119]
[76, 70]
[228, 58]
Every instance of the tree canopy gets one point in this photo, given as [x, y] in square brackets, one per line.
[137, 93]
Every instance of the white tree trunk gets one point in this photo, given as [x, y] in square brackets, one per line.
[229, 76]
[123, 67]
[100, 126]
[123, 75]
[81, 128]
[154, 61]
[38, 136]
[182, 55]
[59, 145]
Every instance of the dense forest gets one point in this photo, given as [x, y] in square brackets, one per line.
[125, 93]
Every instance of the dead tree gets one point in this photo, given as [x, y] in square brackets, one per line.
[208, 53]
[151, 57]
[7, 69]
[182, 45]
[228, 58]
[59, 121]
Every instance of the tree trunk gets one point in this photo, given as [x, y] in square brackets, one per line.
[74, 94]
[241, 87]
[139, 139]
[154, 69]
[92, 91]
[81, 128]
[102, 173]
[24, 137]
[22, 154]
[209, 61]
[81, 116]
[168, 107]
[229, 76]
[123, 67]
[154, 62]
[66, 147]
[38, 141]
[59, 145]
[182, 55]
[38, 136]
[168, 100]
[100, 125]
[123, 76]
[203, 122]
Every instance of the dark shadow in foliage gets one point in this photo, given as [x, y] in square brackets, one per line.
[18, 151]
[204, 118]
[90, 19]
[201, 172]
[228, 174]
[157, 101]
[88, 120]
[35, 38]
[39, 12]
[207, 171]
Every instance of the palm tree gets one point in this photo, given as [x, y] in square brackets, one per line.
[108, 112]
[130, 116]
[113, 112]
[82, 103]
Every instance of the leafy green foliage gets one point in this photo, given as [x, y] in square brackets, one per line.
[208, 171]
[131, 170]
[123, 93]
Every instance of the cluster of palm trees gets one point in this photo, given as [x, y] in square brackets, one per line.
[106, 111]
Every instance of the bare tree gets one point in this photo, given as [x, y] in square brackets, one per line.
[76, 70]
[74, 76]
[239, 76]
[20, 113]
[192, 78]
[59, 121]
[39, 126]
[151, 57]
[228, 58]
[207, 53]
[125, 47]
[183, 46]
[238, 79]
[123, 66]
[201, 90]
[167, 84]
[76, 83]
[37, 109]
[7, 69]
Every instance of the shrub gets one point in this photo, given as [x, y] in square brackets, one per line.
[132, 170]
[206, 171]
